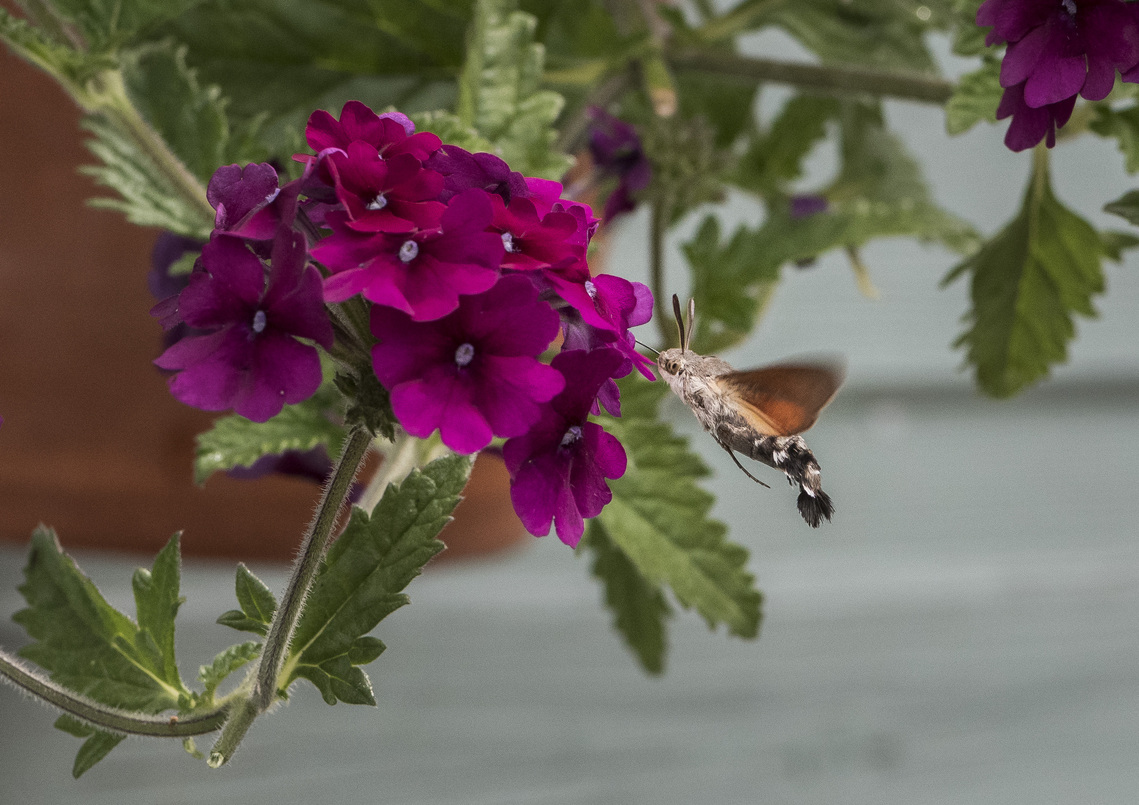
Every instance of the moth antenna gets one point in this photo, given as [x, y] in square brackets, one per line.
[691, 321]
[679, 321]
[645, 346]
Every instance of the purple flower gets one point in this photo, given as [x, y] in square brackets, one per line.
[559, 467]
[390, 134]
[248, 202]
[804, 206]
[617, 151]
[1058, 49]
[532, 241]
[473, 374]
[422, 273]
[385, 195]
[1031, 125]
[463, 170]
[250, 360]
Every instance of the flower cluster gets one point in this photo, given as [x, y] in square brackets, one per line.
[472, 272]
[1057, 50]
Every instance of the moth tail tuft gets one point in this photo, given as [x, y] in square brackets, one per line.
[815, 508]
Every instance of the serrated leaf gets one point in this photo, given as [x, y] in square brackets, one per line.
[157, 599]
[500, 94]
[975, 98]
[92, 648]
[968, 37]
[224, 664]
[776, 156]
[1026, 284]
[659, 519]
[363, 576]
[236, 441]
[1123, 125]
[36, 46]
[1115, 243]
[257, 604]
[639, 607]
[1126, 207]
[107, 26]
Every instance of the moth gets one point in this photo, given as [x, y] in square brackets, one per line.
[757, 412]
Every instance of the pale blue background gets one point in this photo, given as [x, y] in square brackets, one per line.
[964, 631]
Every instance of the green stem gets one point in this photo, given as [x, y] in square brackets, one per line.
[288, 612]
[829, 78]
[106, 717]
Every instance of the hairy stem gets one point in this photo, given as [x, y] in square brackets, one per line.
[829, 78]
[104, 716]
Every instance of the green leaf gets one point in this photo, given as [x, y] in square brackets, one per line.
[776, 156]
[90, 647]
[363, 576]
[108, 26]
[256, 601]
[236, 441]
[639, 607]
[1123, 125]
[33, 44]
[224, 664]
[1126, 207]
[96, 746]
[975, 98]
[879, 33]
[968, 37]
[731, 283]
[659, 518]
[499, 90]
[1026, 284]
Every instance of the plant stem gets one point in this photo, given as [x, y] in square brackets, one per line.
[829, 78]
[104, 716]
[288, 612]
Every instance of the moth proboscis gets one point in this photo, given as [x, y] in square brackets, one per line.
[757, 412]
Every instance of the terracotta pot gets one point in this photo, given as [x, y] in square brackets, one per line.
[92, 443]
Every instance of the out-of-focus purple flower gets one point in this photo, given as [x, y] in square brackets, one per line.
[807, 205]
[617, 151]
[473, 374]
[385, 195]
[165, 287]
[390, 134]
[251, 359]
[421, 273]
[1031, 125]
[313, 465]
[1058, 49]
[463, 170]
[558, 469]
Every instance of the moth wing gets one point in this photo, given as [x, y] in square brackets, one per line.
[784, 399]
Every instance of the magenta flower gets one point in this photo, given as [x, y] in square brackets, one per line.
[532, 241]
[248, 202]
[559, 467]
[395, 194]
[422, 273]
[390, 134]
[473, 374]
[463, 170]
[1058, 49]
[250, 359]
[617, 151]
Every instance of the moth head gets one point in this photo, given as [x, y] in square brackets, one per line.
[671, 362]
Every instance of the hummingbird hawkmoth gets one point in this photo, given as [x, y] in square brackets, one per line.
[757, 412]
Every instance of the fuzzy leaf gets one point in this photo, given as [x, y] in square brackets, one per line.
[499, 90]
[975, 98]
[224, 664]
[236, 441]
[92, 648]
[639, 607]
[1123, 125]
[96, 746]
[256, 601]
[1026, 284]
[107, 26]
[659, 519]
[776, 155]
[363, 576]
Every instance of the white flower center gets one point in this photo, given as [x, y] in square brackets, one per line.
[408, 251]
[260, 320]
[1069, 6]
[378, 203]
[572, 436]
[508, 243]
[464, 354]
[591, 289]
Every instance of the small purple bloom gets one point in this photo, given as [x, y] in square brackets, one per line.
[390, 134]
[385, 195]
[806, 206]
[251, 359]
[617, 151]
[422, 273]
[1058, 49]
[463, 170]
[559, 467]
[473, 374]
